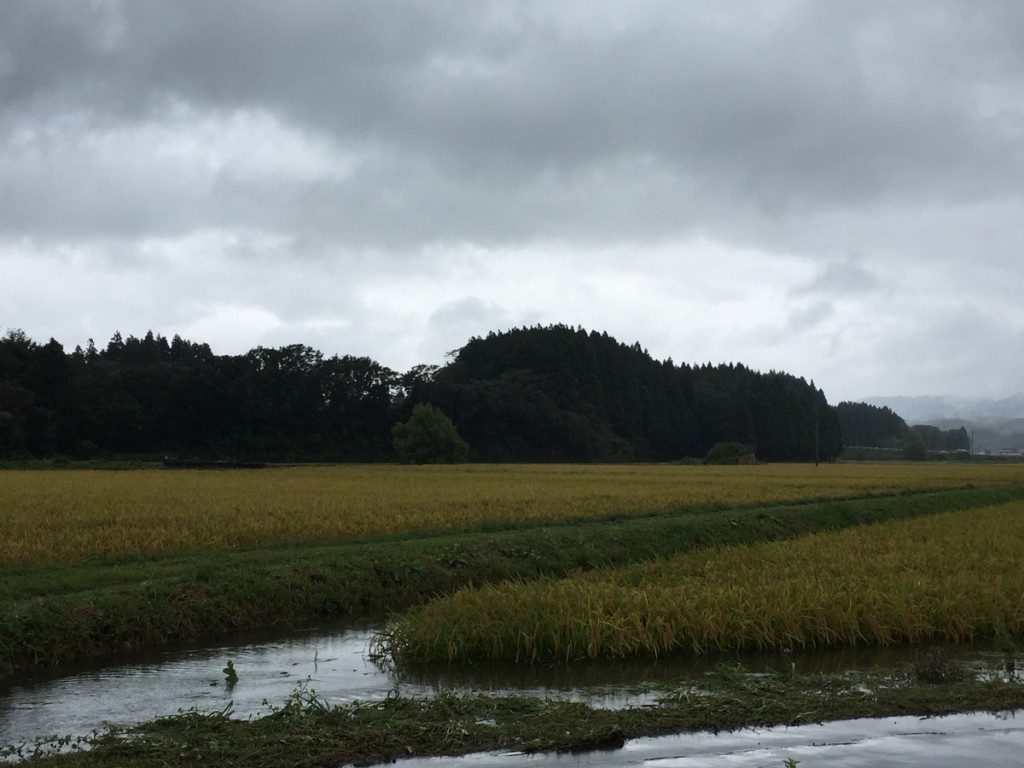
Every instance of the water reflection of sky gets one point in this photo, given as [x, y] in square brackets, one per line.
[980, 740]
[335, 663]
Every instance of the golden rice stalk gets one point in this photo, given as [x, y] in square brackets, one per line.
[70, 515]
[952, 577]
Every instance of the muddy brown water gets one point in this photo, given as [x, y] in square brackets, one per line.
[334, 662]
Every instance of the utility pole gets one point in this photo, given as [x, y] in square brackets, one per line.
[815, 432]
[814, 394]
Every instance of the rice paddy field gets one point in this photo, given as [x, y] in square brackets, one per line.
[542, 563]
[953, 577]
[68, 516]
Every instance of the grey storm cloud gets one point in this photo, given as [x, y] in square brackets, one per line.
[839, 278]
[740, 150]
[517, 121]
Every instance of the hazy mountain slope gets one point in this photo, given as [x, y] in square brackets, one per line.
[996, 424]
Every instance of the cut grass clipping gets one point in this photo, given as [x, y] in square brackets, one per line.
[951, 577]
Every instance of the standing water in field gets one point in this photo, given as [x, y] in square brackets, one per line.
[150, 686]
[334, 662]
[978, 740]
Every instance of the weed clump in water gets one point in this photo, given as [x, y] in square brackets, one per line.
[936, 667]
[230, 674]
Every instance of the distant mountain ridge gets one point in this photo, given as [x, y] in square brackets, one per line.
[996, 424]
[922, 409]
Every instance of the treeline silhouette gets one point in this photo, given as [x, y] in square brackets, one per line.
[552, 393]
[880, 427]
[871, 425]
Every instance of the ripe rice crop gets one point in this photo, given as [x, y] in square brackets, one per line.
[950, 577]
[71, 515]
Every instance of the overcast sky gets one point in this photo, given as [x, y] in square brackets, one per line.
[831, 189]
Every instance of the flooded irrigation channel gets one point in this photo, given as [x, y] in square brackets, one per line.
[334, 661]
[978, 739]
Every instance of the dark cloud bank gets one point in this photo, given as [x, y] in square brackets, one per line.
[829, 189]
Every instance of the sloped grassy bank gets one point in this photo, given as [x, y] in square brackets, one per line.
[108, 606]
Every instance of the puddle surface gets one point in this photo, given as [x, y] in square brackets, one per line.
[334, 662]
[183, 679]
[978, 740]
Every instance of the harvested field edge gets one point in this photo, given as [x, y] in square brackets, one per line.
[60, 614]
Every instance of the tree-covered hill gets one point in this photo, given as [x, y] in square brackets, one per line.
[870, 425]
[875, 426]
[550, 393]
[556, 393]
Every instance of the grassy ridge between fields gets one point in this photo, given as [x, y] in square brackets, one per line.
[58, 614]
[70, 515]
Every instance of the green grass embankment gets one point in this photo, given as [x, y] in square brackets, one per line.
[59, 614]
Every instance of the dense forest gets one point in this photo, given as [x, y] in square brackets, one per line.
[870, 425]
[867, 425]
[550, 393]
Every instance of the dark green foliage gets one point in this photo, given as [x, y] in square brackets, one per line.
[11, 437]
[728, 453]
[913, 448]
[561, 394]
[428, 437]
[935, 439]
[866, 425]
[870, 426]
[550, 393]
[159, 397]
